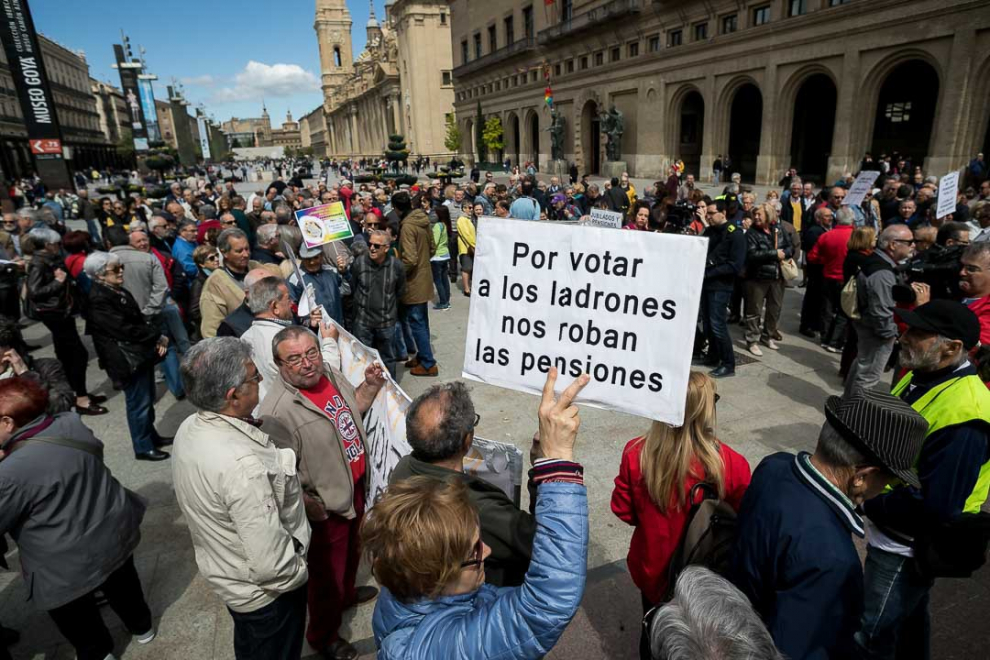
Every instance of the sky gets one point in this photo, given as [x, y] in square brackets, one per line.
[228, 55]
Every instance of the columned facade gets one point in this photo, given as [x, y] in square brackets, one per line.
[813, 85]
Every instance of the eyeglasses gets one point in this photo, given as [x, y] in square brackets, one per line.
[905, 241]
[374, 247]
[119, 268]
[477, 420]
[229, 222]
[256, 378]
[311, 356]
[477, 555]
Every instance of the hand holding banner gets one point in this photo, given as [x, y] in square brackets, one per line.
[860, 188]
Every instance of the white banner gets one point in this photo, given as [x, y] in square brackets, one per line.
[204, 137]
[619, 306]
[860, 188]
[948, 188]
[498, 463]
[604, 218]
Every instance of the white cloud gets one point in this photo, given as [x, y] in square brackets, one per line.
[258, 81]
[198, 81]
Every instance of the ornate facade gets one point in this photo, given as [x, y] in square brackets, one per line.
[258, 131]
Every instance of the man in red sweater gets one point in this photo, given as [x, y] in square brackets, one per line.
[830, 253]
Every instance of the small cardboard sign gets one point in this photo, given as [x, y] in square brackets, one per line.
[324, 224]
[603, 218]
[860, 188]
[948, 187]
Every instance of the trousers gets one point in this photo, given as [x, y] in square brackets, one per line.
[274, 632]
[69, 350]
[758, 291]
[872, 354]
[895, 623]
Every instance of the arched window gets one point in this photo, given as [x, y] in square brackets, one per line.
[336, 56]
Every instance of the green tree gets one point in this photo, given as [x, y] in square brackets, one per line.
[125, 145]
[492, 135]
[453, 139]
[479, 136]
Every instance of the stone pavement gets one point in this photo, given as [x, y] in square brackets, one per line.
[771, 405]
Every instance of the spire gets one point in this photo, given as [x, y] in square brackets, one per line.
[372, 19]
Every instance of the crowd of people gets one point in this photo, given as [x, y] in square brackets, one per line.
[217, 294]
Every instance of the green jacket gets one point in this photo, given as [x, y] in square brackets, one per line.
[442, 251]
[504, 528]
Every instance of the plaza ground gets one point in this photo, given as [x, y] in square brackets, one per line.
[774, 404]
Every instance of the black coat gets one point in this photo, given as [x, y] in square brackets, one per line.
[726, 256]
[761, 252]
[124, 340]
[49, 297]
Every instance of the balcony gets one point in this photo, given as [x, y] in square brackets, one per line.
[505, 52]
[590, 19]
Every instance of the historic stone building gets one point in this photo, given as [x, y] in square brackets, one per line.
[112, 110]
[313, 132]
[75, 103]
[773, 83]
[400, 83]
[258, 131]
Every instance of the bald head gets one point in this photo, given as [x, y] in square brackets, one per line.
[440, 423]
[255, 275]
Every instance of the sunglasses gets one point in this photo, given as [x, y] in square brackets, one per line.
[116, 269]
[374, 247]
[477, 555]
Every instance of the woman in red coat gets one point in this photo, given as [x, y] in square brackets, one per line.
[657, 473]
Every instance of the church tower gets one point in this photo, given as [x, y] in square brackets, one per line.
[333, 34]
[373, 29]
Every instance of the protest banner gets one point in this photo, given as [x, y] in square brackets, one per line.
[619, 306]
[498, 463]
[604, 218]
[860, 188]
[948, 188]
[323, 224]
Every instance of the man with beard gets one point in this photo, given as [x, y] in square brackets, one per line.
[909, 526]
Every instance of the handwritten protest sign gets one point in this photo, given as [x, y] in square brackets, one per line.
[860, 188]
[619, 306]
[498, 463]
[948, 187]
[604, 218]
[323, 224]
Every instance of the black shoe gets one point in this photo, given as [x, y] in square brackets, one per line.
[93, 409]
[810, 334]
[164, 442]
[153, 455]
[722, 372]
[97, 398]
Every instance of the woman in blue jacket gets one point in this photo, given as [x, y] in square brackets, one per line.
[427, 554]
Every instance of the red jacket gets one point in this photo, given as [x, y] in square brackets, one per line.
[981, 307]
[658, 534]
[830, 251]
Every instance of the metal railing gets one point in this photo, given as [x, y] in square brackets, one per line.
[505, 52]
[589, 19]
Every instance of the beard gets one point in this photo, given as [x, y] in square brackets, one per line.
[924, 360]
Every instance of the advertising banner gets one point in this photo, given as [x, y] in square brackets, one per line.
[324, 224]
[148, 108]
[132, 98]
[204, 137]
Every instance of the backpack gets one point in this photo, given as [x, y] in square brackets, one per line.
[849, 300]
[708, 536]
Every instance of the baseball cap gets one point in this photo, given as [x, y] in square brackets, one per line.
[951, 319]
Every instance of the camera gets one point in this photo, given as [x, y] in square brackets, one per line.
[680, 216]
[938, 267]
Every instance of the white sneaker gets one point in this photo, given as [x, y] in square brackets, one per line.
[771, 344]
[144, 638]
[755, 350]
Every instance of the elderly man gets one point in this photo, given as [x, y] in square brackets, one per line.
[979, 226]
[974, 285]
[182, 248]
[794, 556]
[315, 411]
[812, 307]
[241, 497]
[324, 279]
[416, 248]
[266, 250]
[914, 531]
[876, 329]
[829, 253]
[791, 207]
[224, 288]
[378, 283]
[269, 301]
[440, 426]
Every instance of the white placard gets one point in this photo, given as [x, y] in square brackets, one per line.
[948, 188]
[860, 188]
[619, 306]
[604, 218]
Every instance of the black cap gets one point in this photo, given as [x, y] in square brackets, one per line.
[951, 319]
[883, 427]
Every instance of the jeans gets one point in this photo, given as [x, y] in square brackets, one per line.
[872, 354]
[441, 280]
[69, 350]
[813, 305]
[80, 621]
[895, 621]
[139, 399]
[173, 326]
[714, 316]
[418, 319]
[382, 340]
[95, 236]
[274, 632]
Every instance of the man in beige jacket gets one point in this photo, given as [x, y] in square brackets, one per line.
[241, 497]
[224, 289]
[313, 410]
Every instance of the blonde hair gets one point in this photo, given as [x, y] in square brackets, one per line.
[769, 213]
[862, 238]
[667, 453]
[418, 535]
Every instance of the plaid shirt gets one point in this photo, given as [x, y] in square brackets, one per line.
[377, 289]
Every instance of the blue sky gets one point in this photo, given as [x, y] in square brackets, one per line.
[228, 55]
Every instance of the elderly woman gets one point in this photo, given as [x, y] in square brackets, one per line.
[50, 295]
[427, 553]
[767, 245]
[128, 347]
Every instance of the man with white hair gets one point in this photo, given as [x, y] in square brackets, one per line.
[829, 252]
[266, 251]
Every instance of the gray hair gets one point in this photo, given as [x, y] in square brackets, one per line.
[30, 213]
[223, 240]
[438, 421]
[709, 619]
[289, 333]
[888, 235]
[819, 213]
[266, 216]
[208, 211]
[267, 234]
[283, 214]
[42, 236]
[96, 264]
[845, 216]
[137, 225]
[834, 450]
[263, 293]
[185, 223]
[976, 250]
[213, 367]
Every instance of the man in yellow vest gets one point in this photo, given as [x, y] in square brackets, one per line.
[953, 469]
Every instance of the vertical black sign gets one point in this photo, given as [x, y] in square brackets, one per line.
[20, 43]
[132, 97]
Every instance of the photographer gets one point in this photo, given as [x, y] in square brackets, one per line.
[939, 266]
